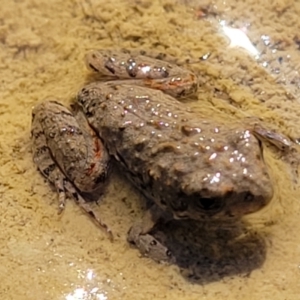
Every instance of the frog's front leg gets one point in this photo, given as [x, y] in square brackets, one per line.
[148, 245]
[68, 153]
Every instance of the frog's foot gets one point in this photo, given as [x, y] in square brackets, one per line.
[283, 144]
[280, 141]
[59, 184]
[63, 187]
[86, 207]
[148, 245]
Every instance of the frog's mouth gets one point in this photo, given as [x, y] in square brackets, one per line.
[210, 204]
[230, 205]
[209, 207]
[200, 208]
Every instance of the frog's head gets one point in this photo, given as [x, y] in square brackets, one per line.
[235, 184]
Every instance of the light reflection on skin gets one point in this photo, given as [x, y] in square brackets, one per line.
[238, 38]
[216, 178]
[87, 293]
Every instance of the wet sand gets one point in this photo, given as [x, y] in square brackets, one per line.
[46, 256]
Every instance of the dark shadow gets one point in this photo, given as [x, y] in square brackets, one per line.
[210, 251]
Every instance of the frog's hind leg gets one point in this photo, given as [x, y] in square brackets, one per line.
[43, 158]
[148, 245]
[144, 71]
[47, 166]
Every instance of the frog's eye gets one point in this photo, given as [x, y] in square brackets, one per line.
[209, 203]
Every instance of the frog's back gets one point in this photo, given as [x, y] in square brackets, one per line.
[185, 162]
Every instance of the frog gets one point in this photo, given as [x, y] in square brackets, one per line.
[186, 164]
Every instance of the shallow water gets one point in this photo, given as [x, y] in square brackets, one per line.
[252, 70]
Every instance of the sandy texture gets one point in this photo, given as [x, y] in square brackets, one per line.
[46, 256]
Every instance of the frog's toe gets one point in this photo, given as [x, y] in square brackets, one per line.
[59, 184]
[150, 247]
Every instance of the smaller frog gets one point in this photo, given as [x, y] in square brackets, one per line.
[185, 163]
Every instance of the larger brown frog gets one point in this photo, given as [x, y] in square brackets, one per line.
[186, 163]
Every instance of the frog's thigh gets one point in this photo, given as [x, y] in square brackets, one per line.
[147, 244]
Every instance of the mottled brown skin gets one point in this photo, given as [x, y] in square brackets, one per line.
[184, 162]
